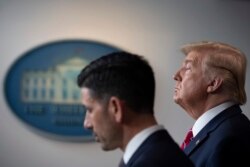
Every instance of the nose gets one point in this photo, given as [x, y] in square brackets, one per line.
[177, 76]
[87, 123]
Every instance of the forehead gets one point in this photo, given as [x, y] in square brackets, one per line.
[192, 57]
[90, 98]
[86, 96]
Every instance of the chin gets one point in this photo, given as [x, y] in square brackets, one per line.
[108, 147]
[105, 148]
[176, 99]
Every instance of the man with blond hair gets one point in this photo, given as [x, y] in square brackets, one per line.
[210, 87]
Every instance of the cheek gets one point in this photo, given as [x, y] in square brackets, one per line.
[188, 84]
[95, 120]
[108, 125]
[195, 89]
[190, 87]
[100, 120]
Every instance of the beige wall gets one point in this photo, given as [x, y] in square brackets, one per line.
[155, 29]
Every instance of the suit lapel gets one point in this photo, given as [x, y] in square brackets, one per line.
[203, 135]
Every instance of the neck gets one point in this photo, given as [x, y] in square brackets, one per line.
[198, 110]
[135, 124]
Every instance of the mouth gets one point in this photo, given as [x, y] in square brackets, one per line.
[176, 92]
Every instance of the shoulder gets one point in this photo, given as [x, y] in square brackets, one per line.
[160, 150]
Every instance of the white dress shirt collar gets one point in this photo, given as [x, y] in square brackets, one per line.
[203, 120]
[137, 140]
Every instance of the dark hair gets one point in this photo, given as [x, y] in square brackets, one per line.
[124, 75]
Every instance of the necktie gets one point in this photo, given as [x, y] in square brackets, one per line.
[187, 140]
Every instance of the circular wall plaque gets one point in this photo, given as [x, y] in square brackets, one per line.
[41, 88]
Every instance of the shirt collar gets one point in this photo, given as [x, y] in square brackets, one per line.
[137, 140]
[208, 116]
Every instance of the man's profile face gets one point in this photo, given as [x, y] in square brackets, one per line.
[99, 119]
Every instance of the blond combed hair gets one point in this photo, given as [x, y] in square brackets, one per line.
[225, 61]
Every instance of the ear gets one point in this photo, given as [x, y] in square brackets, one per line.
[116, 107]
[214, 85]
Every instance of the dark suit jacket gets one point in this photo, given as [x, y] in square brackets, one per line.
[223, 142]
[159, 150]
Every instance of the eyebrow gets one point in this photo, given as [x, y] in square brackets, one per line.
[193, 61]
[188, 61]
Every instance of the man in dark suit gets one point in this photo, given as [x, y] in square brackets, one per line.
[210, 88]
[118, 92]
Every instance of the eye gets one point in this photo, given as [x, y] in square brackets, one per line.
[188, 66]
[87, 109]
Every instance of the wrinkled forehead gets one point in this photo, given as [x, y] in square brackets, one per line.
[193, 57]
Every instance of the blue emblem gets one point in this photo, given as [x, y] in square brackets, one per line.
[41, 88]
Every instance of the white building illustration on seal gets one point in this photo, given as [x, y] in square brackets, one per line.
[57, 85]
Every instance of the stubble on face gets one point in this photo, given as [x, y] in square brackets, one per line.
[108, 131]
[105, 129]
